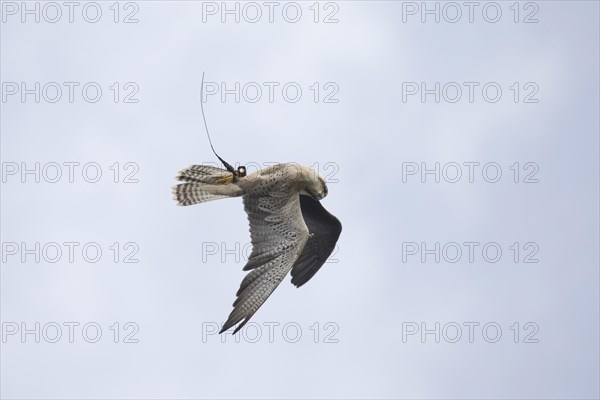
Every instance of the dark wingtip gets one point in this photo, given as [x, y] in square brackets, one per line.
[226, 327]
[229, 325]
[237, 329]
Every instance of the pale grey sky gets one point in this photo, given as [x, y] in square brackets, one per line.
[527, 329]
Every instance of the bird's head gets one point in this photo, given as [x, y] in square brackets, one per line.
[308, 181]
[316, 188]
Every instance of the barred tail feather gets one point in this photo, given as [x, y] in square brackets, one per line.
[190, 193]
[205, 174]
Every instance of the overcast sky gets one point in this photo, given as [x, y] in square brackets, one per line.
[460, 143]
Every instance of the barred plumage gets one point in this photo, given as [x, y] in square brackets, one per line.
[190, 193]
[204, 183]
[204, 174]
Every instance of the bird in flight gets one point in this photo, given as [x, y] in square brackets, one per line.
[289, 228]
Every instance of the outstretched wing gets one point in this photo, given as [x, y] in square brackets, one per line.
[278, 236]
[325, 229]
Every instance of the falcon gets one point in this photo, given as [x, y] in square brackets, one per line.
[289, 228]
